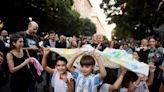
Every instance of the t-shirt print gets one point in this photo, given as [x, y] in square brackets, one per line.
[30, 42]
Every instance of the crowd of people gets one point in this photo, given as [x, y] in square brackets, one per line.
[18, 50]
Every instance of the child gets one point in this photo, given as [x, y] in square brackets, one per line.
[85, 80]
[110, 83]
[62, 81]
[133, 83]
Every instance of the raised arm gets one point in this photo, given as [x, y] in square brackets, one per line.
[118, 82]
[148, 80]
[101, 66]
[151, 76]
[71, 62]
[44, 61]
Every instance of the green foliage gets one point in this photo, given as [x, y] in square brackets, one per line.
[60, 15]
[87, 27]
[49, 14]
[134, 17]
[64, 20]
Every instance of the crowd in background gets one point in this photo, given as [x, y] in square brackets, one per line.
[17, 49]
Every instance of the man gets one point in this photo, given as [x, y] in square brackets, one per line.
[98, 42]
[5, 38]
[31, 45]
[30, 39]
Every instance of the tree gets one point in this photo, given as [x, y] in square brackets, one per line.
[49, 14]
[134, 18]
[87, 27]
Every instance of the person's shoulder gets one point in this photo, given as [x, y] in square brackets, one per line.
[105, 85]
[69, 75]
[123, 89]
[161, 50]
[22, 33]
[36, 36]
[55, 73]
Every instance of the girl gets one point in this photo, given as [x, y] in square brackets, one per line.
[85, 80]
[17, 60]
[62, 81]
[110, 83]
[134, 83]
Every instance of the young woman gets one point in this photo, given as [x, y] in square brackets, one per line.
[85, 80]
[62, 80]
[21, 78]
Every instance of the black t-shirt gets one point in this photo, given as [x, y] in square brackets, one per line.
[29, 40]
[144, 55]
[101, 48]
[61, 45]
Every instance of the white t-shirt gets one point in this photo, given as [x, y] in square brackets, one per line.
[58, 84]
[104, 88]
[123, 90]
[140, 88]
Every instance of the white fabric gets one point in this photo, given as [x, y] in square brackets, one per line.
[122, 58]
[111, 58]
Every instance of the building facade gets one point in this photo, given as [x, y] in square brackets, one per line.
[87, 10]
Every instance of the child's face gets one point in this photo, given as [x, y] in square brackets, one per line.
[61, 66]
[135, 55]
[52, 36]
[87, 69]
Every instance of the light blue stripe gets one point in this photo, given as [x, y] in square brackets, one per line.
[82, 87]
[77, 82]
[90, 86]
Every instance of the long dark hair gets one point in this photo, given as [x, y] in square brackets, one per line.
[13, 39]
